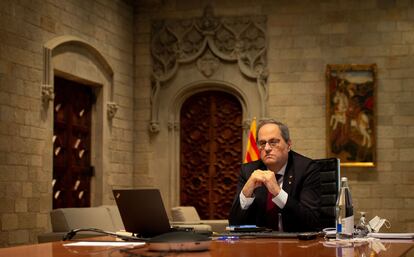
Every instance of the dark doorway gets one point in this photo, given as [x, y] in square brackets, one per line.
[72, 169]
[211, 152]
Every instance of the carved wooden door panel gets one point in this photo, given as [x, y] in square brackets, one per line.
[211, 152]
[71, 144]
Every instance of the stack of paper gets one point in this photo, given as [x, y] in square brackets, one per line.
[392, 235]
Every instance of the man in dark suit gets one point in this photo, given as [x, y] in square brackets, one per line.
[290, 203]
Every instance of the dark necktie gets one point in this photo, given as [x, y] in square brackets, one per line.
[272, 210]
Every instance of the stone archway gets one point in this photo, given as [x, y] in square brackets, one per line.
[63, 56]
[193, 55]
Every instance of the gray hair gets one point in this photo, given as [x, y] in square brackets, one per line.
[284, 130]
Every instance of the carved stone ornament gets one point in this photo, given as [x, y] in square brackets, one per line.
[208, 41]
[112, 108]
[154, 127]
[174, 126]
[208, 64]
[47, 94]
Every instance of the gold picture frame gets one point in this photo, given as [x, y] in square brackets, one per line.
[351, 113]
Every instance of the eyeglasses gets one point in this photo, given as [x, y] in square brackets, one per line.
[272, 143]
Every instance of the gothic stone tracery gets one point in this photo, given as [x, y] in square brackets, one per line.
[208, 41]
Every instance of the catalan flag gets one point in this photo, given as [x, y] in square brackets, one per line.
[252, 152]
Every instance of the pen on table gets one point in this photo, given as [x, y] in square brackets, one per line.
[223, 238]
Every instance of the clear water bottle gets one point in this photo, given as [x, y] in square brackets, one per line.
[344, 212]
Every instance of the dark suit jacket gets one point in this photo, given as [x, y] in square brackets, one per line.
[302, 184]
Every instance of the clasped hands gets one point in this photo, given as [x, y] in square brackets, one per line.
[258, 178]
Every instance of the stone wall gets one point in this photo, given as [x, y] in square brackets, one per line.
[26, 126]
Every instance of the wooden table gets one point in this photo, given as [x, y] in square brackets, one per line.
[244, 248]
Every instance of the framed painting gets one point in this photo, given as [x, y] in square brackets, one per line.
[351, 114]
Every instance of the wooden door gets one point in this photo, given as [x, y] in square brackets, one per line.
[72, 169]
[211, 152]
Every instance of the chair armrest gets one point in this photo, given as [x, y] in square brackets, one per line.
[195, 226]
[216, 225]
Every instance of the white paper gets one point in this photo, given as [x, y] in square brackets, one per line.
[392, 235]
[103, 243]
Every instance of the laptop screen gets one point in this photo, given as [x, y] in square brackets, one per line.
[142, 211]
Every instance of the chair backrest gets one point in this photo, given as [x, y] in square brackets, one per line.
[330, 182]
[66, 219]
[184, 213]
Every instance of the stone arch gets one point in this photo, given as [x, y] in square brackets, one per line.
[76, 59]
[175, 106]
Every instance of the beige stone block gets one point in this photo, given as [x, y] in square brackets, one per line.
[403, 166]
[7, 174]
[14, 189]
[9, 222]
[27, 189]
[377, 51]
[405, 190]
[399, 50]
[21, 205]
[33, 205]
[385, 143]
[383, 166]
[388, 155]
[394, 38]
[42, 186]
[7, 114]
[43, 175]
[384, 190]
[24, 131]
[390, 177]
[387, 100]
[409, 203]
[42, 220]
[7, 204]
[408, 176]
[386, 26]
[362, 191]
[36, 160]
[407, 97]
[406, 215]
[38, 133]
[19, 237]
[398, 62]
[405, 108]
[334, 28]
[17, 159]
[407, 84]
[405, 26]
[368, 203]
[400, 73]
[409, 226]
[392, 203]
[3, 190]
[121, 179]
[405, 143]
[45, 202]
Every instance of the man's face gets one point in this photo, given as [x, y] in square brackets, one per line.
[273, 148]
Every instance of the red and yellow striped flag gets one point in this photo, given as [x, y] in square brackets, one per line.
[252, 152]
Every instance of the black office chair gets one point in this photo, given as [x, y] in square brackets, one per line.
[330, 183]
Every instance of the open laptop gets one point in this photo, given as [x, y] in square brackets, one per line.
[142, 211]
